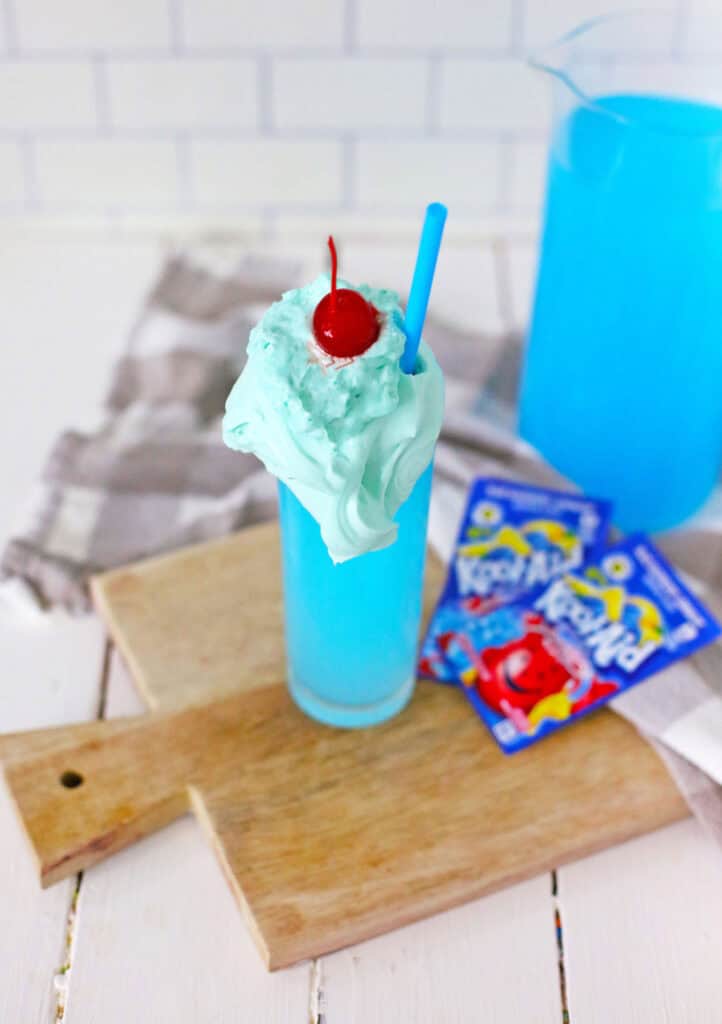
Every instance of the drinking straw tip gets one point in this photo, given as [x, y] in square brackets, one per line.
[428, 252]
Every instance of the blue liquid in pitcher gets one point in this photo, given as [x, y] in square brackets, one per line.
[622, 387]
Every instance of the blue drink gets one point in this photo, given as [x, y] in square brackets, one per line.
[622, 389]
[352, 629]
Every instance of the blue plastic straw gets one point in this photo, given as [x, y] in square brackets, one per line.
[429, 244]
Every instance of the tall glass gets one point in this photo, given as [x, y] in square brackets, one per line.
[622, 386]
[352, 629]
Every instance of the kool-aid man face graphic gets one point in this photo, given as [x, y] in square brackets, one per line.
[514, 666]
[521, 673]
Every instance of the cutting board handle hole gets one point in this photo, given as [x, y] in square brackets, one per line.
[71, 780]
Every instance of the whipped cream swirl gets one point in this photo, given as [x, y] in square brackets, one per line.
[349, 437]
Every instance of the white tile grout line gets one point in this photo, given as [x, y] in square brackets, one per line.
[433, 94]
[175, 20]
[61, 981]
[350, 27]
[28, 55]
[247, 224]
[518, 18]
[348, 173]
[104, 678]
[559, 935]
[62, 978]
[102, 95]
[481, 214]
[185, 175]
[316, 997]
[231, 133]
[264, 81]
[30, 180]
[505, 168]
[7, 13]
[329, 52]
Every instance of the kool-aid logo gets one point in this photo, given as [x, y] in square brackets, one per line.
[500, 557]
[609, 642]
[504, 570]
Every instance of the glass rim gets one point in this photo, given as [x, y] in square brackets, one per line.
[539, 60]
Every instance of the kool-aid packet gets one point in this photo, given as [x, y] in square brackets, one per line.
[513, 538]
[532, 666]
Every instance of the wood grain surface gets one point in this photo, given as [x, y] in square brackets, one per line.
[203, 622]
[208, 620]
[327, 837]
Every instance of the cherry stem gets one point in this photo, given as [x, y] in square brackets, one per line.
[334, 271]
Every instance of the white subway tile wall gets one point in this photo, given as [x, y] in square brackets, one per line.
[436, 24]
[285, 114]
[405, 174]
[72, 26]
[262, 24]
[704, 33]
[12, 175]
[48, 96]
[96, 173]
[499, 95]
[349, 93]
[193, 95]
[527, 176]
[267, 172]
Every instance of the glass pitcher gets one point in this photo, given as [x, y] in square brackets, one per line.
[622, 383]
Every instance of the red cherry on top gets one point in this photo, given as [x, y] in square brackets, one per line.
[344, 323]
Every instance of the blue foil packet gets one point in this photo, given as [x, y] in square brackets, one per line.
[513, 538]
[567, 647]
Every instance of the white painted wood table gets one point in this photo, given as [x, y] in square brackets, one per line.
[153, 935]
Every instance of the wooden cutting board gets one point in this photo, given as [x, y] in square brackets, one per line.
[327, 837]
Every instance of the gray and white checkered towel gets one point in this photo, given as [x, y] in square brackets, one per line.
[157, 476]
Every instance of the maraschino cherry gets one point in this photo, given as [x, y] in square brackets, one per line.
[344, 323]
